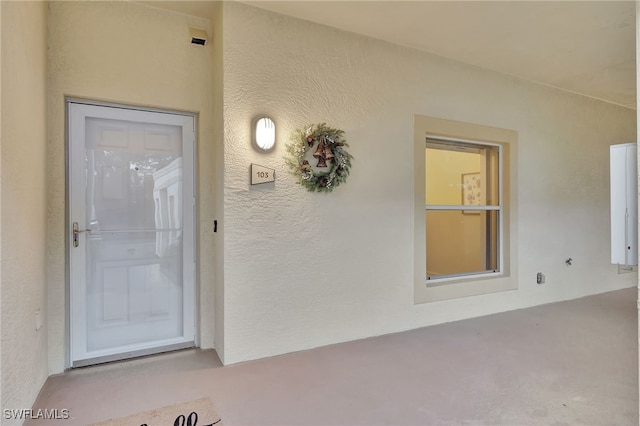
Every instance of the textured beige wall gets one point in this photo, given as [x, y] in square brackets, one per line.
[638, 139]
[1, 38]
[23, 202]
[131, 54]
[304, 270]
[218, 181]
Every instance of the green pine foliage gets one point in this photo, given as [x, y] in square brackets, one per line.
[338, 166]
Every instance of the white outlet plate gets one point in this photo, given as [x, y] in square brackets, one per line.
[626, 269]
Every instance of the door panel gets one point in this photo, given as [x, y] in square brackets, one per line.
[132, 274]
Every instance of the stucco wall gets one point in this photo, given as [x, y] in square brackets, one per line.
[304, 270]
[23, 202]
[131, 54]
[1, 406]
[638, 138]
[218, 180]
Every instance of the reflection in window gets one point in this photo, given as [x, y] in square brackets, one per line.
[167, 191]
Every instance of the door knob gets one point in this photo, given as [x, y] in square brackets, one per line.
[76, 232]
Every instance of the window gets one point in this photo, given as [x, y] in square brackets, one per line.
[463, 207]
[465, 239]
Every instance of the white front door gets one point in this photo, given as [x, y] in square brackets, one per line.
[131, 232]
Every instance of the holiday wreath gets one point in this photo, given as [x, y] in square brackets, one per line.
[333, 162]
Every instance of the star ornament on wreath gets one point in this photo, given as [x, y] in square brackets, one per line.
[317, 157]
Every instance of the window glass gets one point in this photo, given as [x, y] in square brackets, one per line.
[462, 208]
[461, 243]
[461, 175]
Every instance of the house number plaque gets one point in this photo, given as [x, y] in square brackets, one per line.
[261, 174]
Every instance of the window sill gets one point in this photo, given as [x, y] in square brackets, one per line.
[457, 287]
[450, 279]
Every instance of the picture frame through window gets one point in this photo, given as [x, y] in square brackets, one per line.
[472, 191]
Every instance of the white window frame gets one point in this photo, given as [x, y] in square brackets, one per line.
[500, 255]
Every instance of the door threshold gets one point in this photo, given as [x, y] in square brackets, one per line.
[133, 354]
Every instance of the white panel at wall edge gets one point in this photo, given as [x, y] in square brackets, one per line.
[624, 204]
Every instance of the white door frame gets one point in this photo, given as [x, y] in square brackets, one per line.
[77, 111]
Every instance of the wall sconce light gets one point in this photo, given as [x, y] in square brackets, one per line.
[264, 134]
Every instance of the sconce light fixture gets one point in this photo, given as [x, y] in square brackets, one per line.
[264, 134]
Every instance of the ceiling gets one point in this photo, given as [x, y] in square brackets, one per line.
[587, 47]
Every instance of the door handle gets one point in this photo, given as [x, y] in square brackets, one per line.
[77, 231]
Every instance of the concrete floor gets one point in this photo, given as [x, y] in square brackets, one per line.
[569, 363]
